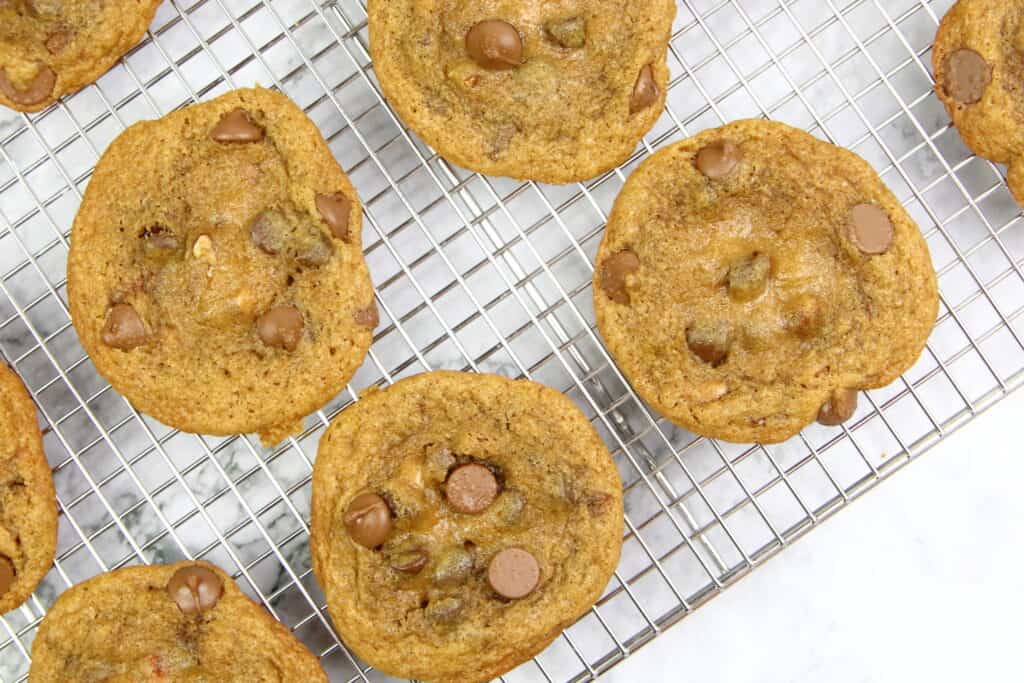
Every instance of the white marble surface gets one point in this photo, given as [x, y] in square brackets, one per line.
[917, 581]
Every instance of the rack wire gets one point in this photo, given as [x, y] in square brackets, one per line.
[489, 274]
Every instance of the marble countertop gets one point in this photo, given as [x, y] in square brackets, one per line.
[917, 581]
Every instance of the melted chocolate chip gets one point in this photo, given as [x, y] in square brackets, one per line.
[236, 127]
[613, 275]
[124, 328]
[195, 589]
[368, 317]
[410, 561]
[749, 278]
[495, 45]
[870, 229]
[39, 90]
[839, 407]
[719, 159]
[7, 574]
[281, 327]
[966, 76]
[645, 90]
[336, 210]
[368, 520]
[709, 342]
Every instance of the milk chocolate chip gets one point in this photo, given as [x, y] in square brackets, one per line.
[471, 488]
[966, 75]
[613, 275]
[839, 408]
[569, 33]
[236, 127]
[195, 589]
[368, 520]
[410, 561]
[281, 327]
[645, 91]
[453, 567]
[335, 210]
[513, 573]
[368, 317]
[719, 159]
[7, 574]
[749, 278]
[870, 229]
[124, 329]
[37, 91]
[495, 45]
[709, 342]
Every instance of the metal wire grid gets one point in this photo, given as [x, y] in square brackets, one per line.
[489, 274]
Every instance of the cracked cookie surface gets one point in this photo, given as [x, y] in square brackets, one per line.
[28, 504]
[180, 622]
[460, 522]
[216, 274]
[49, 48]
[753, 278]
[551, 91]
[978, 61]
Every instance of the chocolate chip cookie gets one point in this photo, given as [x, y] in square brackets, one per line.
[50, 48]
[753, 279]
[216, 274]
[551, 91]
[460, 522]
[978, 59]
[181, 622]
[28, 504]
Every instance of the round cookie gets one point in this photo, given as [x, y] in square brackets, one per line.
[978, 60]
[183, 622]
[50, 48]
[555, 91]
[460, 522]
[216, 273]
[753, 278]
[28, 504]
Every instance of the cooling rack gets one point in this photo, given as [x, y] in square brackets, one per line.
[488, 274]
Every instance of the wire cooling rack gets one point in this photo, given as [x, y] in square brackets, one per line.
[488, 274]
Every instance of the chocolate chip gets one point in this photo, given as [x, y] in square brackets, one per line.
[368, 317]
[569, 33]
[37, 91]
[645, 91]
[281, 327]
[267, 232]
[336, 210]
[839, 408]
[453, 566]
[613, 275]
[7, 574]
[195, 589]
[495, 45]
[410, 561]
[749, 278]
[965, 76]
[236, 127]
[368, 520]
[158, 242]
[803, 315]
[275, 233]
[471, 488]
[870, 229]
[719, 159]
[124, 329]
[709, 342]
[443, 610]
[513, 573]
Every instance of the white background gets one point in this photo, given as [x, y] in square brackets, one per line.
[919, 580]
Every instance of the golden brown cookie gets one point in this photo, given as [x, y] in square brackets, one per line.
[555, 91]
[179, 622]
[978, 59]
[50, 48]
[753, 278]
[461, 522]
[28, 504]
[216, 274]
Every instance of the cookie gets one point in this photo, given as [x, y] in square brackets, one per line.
[182, 622]
[978, 59]
[460, 522]
[753, 279]
[216, 274]
[49, 49]
[551, 91]
[28, 504]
